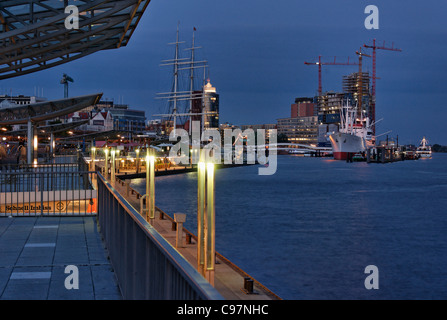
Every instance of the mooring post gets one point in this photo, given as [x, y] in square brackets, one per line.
[179, 219]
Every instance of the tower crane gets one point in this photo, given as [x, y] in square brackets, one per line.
[65, 79]
[360, 80]
[374, 47]
[320, 64]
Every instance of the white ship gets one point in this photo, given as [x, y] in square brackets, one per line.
[354, 135]
[424, 150]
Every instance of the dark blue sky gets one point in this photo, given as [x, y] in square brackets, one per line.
[256, 51]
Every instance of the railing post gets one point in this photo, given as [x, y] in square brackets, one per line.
[144, 210]
[179, 218]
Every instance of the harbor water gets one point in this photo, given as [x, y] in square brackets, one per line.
[310, 230]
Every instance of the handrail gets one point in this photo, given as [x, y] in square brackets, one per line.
[196, 281]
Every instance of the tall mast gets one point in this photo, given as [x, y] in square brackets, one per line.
[175, 96]
[191, 84]
[175, 81]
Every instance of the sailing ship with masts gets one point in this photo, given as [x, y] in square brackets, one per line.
[189, 104]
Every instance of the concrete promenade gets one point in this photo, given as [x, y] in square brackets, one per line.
[34, 252]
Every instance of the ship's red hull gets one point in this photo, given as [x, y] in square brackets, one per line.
[340, 155]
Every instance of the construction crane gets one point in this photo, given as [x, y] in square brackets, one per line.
[320, 64]
[360, 80]
[64, 81]
[374, 47]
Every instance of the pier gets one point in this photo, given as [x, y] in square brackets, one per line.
[229, 280]
[137, 249]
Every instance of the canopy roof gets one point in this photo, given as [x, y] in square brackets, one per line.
[33, 35]
[47, 110]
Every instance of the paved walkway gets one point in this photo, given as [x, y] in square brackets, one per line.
[34, 252]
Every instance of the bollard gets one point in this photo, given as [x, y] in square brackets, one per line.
[127, 188]
[248, 285]
[188, 238]
[179, 218]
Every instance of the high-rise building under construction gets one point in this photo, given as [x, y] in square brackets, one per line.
[330, 103]
[357, 86]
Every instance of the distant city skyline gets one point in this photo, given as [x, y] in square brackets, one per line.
[256, 52]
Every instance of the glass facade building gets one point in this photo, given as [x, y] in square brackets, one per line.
[301, 130]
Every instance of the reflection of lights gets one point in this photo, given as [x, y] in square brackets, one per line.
[4, 138]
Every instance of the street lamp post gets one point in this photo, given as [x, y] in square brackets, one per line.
[206, 220]
[106, 162]
[112, 169]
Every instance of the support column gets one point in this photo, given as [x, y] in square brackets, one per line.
[106, 162]
[29, 143]
[51, 145]
[92, 158]
[35, 146]
[112, 167]
[137, 161]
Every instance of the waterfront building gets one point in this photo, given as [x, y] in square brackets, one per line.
[106, 116]
[351, 87]
[205, 109]
[210, 107]
[303, 107]
[302, 125]
[268, 127]
[301, 130]
[328, 111]
[19, 100]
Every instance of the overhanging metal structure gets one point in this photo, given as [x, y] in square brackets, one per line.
[47, 110]
[51, 129]
[33, 35]
[33, 114]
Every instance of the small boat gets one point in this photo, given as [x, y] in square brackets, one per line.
[424, 149]
[358, 157]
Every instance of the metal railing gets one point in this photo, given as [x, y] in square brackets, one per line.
[146, 264]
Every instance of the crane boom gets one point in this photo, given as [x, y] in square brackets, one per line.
[319, 63]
